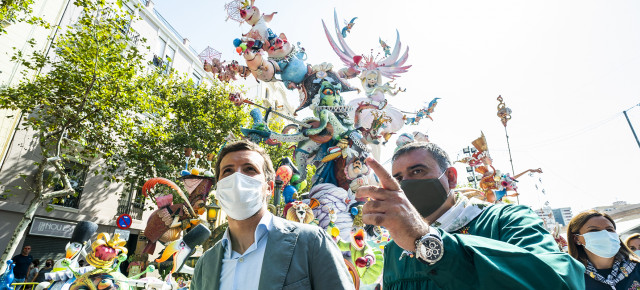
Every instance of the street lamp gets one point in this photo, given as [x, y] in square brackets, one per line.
[278, 193]
[212, 213]
[213, 210]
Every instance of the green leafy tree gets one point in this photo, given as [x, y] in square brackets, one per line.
[14, 11]
[79, 107]
[178, 114]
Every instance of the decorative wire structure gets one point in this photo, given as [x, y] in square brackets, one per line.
[233, 10]
[208, 54]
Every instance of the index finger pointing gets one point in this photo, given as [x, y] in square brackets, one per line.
[387, 181]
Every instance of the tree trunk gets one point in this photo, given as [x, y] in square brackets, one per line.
[39, 196]
[20, 230]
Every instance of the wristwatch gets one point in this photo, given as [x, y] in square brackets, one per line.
[429, 248]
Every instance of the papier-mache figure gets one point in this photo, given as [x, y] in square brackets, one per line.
[493, 184]
[181, 249]
[63, 269]
[373, 115]
[167, 222]
[333, 208]
[83, 231]
[368, 260]
[106, 255]
[298, 211]
[7, 277]
[416, 136]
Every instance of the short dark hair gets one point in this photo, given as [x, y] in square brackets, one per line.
[441, 157]
[245, 145]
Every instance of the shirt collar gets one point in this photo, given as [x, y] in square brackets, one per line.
[264, 226]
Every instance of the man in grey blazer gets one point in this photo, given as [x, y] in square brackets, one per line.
[259, 250]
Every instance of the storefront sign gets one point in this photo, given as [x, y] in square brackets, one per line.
[52, 228]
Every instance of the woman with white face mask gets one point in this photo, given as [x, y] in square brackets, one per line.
[609, 263]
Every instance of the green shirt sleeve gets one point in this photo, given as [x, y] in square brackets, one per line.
[507, 248]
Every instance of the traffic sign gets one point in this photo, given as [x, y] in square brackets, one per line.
[124, 221]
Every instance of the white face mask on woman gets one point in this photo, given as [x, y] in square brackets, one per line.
[240, 195]
[602, 243]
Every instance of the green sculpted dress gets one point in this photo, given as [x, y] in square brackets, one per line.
[505, 247]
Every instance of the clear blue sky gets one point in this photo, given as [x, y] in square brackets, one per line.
[567, 69]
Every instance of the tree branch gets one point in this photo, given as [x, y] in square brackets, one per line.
[68, 189]
[57, 193]
[86, 93]
[60, 141]
[39, 173]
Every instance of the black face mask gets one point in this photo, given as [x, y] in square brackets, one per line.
[426, 195]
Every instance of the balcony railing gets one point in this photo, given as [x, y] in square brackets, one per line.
[134, 209]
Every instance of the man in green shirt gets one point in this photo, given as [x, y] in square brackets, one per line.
[446, 241]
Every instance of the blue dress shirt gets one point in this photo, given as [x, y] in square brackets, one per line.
[243, 271]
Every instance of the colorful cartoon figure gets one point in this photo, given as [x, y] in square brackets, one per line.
[260, 30]
[106, 255]
[385, 47]
[406, 138]
[377, 119]
[75, 247]
[215, 67]
[7, 277]
[167, 222]
[561, 241]
[333, 208]
[299, 211]
[357, 172]
[332, 229]
[423, 113]
[493, 184]
[368, 260]
[349, 25]
[315, 136]
[181, 249]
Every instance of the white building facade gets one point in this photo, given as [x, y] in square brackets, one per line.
[49, 231]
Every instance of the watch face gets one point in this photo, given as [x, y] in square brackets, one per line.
[431, 249]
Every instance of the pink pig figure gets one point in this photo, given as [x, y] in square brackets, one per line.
[259, 28]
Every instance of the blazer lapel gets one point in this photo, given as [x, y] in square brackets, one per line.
[278, 254]
[216, 265]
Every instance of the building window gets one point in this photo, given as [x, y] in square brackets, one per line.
[161, 46]
[77, 173]
[169, 58]
[196, 78]
[132, 202]
[158, 57]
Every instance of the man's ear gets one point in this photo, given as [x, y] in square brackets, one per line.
[452, 177]
[271, 185]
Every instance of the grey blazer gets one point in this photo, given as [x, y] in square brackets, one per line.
[297, 256]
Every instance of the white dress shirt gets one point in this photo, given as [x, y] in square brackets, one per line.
[243, 271]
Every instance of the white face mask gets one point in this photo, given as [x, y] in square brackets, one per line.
[637, 252]
[240, 195]
[602, 243]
